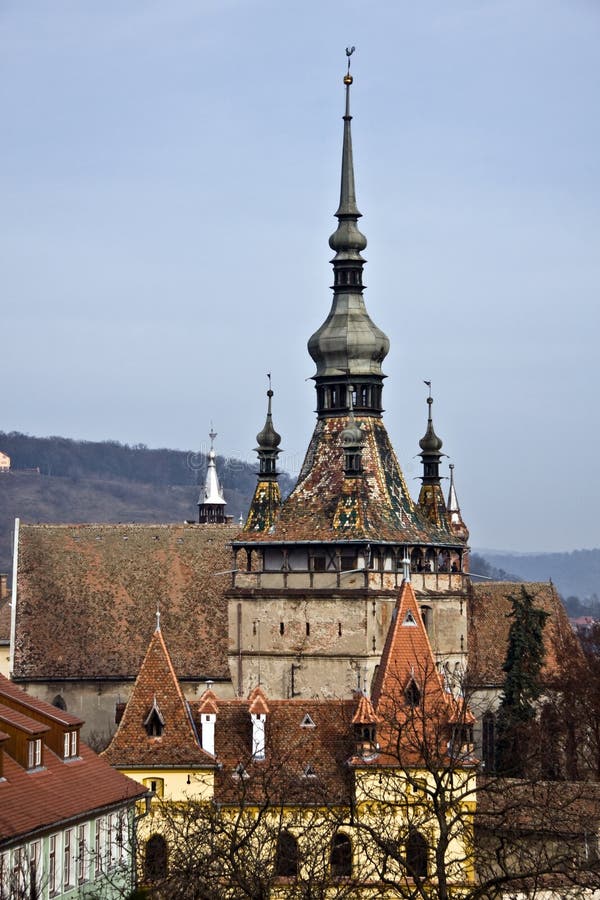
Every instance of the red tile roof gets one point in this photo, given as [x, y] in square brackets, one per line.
[409, 694]
[42, 799]
[61, 790]
[87, 597]
[157, 686]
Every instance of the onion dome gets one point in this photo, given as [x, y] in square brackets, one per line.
[430, 442]
[268, 438]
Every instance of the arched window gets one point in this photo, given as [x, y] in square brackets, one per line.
[427, 616]
[416, 855]
[341, 856]
[59, 702]
[286, 859]
[155, 858]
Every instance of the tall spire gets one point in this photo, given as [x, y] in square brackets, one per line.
[211, 505]
[348, 348]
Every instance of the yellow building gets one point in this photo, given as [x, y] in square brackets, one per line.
[341, 793]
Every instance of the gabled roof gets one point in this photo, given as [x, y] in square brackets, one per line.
[156, 693]
[87, 595]
[326, 505]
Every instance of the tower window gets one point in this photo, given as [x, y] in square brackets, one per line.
[282, 628]
[308, 629]
[412, 694]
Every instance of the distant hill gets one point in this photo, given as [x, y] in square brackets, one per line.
[104, 481]
[575, 574]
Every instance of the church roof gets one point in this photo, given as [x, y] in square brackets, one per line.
[87, 597]
[326, 505]
[156, 693]
[489, 605]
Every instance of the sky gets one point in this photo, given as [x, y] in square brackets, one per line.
[168, 177]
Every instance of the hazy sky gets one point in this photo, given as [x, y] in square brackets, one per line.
[168, 176]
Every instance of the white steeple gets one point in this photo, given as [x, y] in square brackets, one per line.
[211, 504]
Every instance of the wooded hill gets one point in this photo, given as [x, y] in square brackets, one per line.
[104, 481]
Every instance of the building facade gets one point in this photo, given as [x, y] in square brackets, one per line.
[67, 819]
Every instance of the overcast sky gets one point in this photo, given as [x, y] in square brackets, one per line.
[168, 176]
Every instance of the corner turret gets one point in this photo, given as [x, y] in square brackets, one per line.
[431, 498]
[266, 502]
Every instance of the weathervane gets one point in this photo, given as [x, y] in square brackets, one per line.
[348, 76]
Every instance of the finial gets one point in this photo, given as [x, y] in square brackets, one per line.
[157, 617]
[430, 442]
[212, 435]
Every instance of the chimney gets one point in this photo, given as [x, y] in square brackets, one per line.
[258, 717]
[208, 716]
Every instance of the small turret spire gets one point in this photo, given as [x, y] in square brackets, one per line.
[268, 441]
[431, 498]
[266, 502]
[455, 518]
[431, 446]
[212, 503]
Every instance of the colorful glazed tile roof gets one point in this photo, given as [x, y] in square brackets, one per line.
[87, 597]
[326, 505]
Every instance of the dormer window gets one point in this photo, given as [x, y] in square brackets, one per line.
[412, 694]
[154, 722]
[70, 744]
[34, 753]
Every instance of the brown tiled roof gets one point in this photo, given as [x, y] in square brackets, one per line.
[87, 597]
[5, 620]
[325, 505]
[488, 626]
[157, 687]
[21, 720]
[292, 749]
[61, 790]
